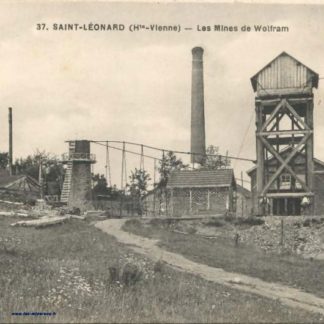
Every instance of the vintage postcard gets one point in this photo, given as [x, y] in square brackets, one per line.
[161, 162]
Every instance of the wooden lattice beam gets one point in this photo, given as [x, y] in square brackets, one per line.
[272, 116]
[293, 111]
[284, 163]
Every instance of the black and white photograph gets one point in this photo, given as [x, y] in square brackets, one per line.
[161, 162]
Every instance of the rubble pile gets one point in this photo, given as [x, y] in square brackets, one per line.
[301, 235]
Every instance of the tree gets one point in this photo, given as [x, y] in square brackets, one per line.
[51, 165]
[52, 169]
[4, 160]
[100, 186]
[168, 164]
[214, 160]
[138, 188]
[139, 182]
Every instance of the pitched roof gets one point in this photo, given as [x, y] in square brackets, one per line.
[6, 180]
[314, 79]
[201, 178]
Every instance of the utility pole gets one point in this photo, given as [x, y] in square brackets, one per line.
[40, 179]
[10, 141]
[242, 193]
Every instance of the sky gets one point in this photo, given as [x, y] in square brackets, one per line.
[136, 86]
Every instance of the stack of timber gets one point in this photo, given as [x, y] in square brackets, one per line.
[13, 213]
[46, 221]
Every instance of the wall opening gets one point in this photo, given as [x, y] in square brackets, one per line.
[286, 206]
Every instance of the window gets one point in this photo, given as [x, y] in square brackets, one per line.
[285, 181]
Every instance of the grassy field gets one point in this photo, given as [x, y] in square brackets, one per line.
[84, 275]
[246, 259]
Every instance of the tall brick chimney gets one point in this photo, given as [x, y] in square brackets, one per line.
[198, 144]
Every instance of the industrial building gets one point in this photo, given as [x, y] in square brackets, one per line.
[286, 180]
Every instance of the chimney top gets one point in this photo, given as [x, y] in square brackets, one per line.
[197, 52]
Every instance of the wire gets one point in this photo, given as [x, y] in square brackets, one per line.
[147, 156]
[244, 137]
[108, 164]
[178, 152]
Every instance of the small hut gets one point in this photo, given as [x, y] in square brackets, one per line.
[201, 192]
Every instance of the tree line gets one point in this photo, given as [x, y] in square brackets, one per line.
[52, 171]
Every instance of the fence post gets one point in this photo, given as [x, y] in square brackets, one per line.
[282, 232]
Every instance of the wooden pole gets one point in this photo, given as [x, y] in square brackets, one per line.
[226, 161]
[260, 155]
[10, 141]
[154, 180]
[282, 233]
[310, 152]
[106, 166]
[242, 194]
[40, 180]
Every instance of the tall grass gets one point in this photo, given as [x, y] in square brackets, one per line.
[224, 252]
[66, 269]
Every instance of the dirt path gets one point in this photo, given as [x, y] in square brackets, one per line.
[287, 295]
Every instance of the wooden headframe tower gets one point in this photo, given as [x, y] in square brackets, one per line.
[284, 132]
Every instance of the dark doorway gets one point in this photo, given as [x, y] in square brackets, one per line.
[286, 206]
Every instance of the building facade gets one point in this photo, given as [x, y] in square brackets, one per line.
[201, 192]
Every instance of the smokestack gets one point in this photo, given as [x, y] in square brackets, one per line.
[10, 141]
[197, 108]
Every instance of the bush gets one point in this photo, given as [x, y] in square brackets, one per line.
[192, 230]
[127, 275]
[131, 274]
[156, 222]
[230, 218]
[313, 221]
[158, 266]
[216, 222]
[133, 222]
[250, 221]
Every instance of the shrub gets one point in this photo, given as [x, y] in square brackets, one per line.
[250, 221]
[312, 221]
[216, 222]
[156, 222]
[113, 274]
[131, 274]
[191, 230]
[230, 218]
[158, 266]
[133, 222]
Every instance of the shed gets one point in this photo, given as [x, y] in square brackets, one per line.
[243, 202]
[19, 186]
[202, 192]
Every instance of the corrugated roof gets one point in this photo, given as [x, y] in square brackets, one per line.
[201, 178]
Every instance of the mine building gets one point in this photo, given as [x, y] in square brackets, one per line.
[286, 180]
[202, 192]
